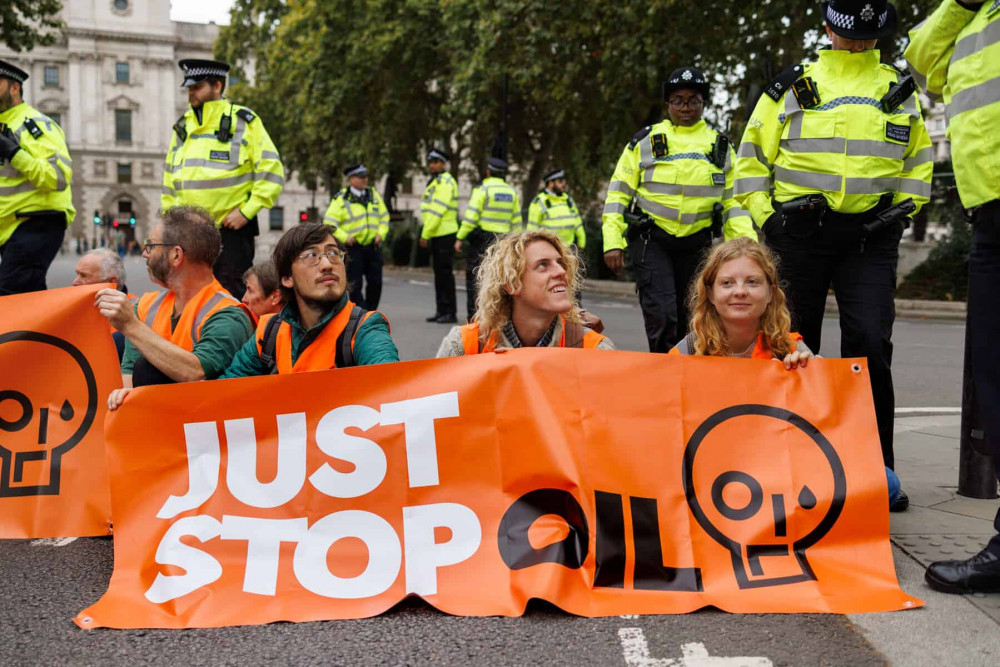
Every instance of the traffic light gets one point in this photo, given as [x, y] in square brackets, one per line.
[303, 216]
[131, 221]
[97, 218]
[115, 223]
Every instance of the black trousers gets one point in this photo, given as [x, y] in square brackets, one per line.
[237, 257]
[984, 320]
[476, 244]
[664, 266]
[443, 259]
[364, 265]
[864, 284]
[27, 254]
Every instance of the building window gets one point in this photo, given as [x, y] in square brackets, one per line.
[121, 72]
[51, 76]
[123, 125]
[124, 172]
[276, 219]
[56, 118]
[121, 5]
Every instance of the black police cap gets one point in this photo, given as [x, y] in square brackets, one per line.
[9, 71]
[686, 78]
[860, 19]
[196, 71]
[496, 164]
[356, 170]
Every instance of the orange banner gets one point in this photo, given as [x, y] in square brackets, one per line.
[57, 366]
[606, 483]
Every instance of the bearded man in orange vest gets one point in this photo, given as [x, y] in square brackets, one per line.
[319, 328]
[527, 287]
[188, 331]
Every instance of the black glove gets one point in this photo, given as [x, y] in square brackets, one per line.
[8, 144]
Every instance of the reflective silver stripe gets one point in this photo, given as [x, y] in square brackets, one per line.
[703, 191]
[795, 127]
[870, 186]
[268, 176]
[918, 77]
[923, 156]
[60, 176]
[975, 43]
[501, 221]
[269, 155]
[8, 171]
[662, 188]
[568, 216]
[170, 192]
[645, 152]
[201, 136]
[736, 212]
[727, 193]
[832, 145]
[204, 310]
[614, 208]
[154, 308]
[332, 221]
[621, 186]
[807, 179]
[875, 148]
[546, 225]
[659, 210]
[751, 150]
[974, 98]
[742, 186]
[201, 162]
[65, 160]
[915, 187]
[213, 184]
[27, 186]
[431, 212]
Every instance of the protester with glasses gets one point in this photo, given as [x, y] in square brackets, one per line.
[671, 190]
[188, 331]
[319, 328]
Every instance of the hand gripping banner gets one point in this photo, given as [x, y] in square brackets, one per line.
[603, 482]
[57, 366]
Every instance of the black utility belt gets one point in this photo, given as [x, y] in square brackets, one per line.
[665, 238]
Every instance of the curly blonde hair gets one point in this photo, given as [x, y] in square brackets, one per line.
[706, 325]
[500, 273]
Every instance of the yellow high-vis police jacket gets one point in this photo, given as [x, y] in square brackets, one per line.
[201, 169]
[364, 218]
[955, 56]
[559, 215]
[38, 177]
[439, 206]
[493, 207]
[669, 171]
[844, 147]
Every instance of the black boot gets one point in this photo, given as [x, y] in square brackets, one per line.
[979, 574]
[434, 317]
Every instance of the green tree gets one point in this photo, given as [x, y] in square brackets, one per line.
[25, 24]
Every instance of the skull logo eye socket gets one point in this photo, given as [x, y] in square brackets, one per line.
[26, 411]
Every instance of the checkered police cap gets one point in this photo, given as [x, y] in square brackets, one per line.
[196, 71]
[9, 71]
[356, 170]
[860, 19]
[555, 175]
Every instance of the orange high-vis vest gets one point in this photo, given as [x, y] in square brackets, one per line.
[322, 353]
[156, 308]
[589, 340]
[760, 350]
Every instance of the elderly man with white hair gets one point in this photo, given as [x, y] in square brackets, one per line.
[102, 265]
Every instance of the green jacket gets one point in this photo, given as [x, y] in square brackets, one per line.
[372, 345]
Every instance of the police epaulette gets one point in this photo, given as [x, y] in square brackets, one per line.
[639, 136]
[247, 115]
[180, 129]
[32, 128]
[783, 82]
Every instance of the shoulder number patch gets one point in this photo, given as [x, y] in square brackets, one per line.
[900, 133]
[718, 179]
[219, 155]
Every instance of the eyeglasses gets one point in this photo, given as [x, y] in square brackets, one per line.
[312, 257]
[696, 103]
[148, 244]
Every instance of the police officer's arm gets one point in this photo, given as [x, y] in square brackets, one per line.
[932, 44]
[168, 196]
[736, 220]
[268, 172]
[470, 221]
[44, 161]
[753, 173]
[383, 216]
[581, 233]
[535, 212]
[621, 190]
[373, 344]
[918, 164]
[246, 362]
[431, 210]
[335, 214]
[517, 222]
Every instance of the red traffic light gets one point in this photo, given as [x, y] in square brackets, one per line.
[115, 223]
[303, 216]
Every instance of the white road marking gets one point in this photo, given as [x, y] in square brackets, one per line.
[53, 541]
[422, 283]
[635, 650]
[934, 411]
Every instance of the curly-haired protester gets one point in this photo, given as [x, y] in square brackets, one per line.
[527, 282]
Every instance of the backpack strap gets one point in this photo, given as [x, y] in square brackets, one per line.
[345, 341]
[573, 334]
[268, 344]
[689, 340]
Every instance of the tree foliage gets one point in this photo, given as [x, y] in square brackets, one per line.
[25, 24]
[380, 81]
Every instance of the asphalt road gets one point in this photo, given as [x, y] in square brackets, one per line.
[44, 584]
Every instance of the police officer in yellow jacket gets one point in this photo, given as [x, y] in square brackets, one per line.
[842, 144]
[36, 203]
[439, 216]
[361, 219]
[222, 159]
[675, 181]
[494, 210]
[955, 57]
[553, 209]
